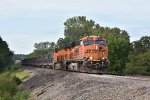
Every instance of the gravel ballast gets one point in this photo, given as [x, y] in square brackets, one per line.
[48, 84]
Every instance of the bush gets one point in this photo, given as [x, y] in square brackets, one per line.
[119, 47]
[5, 96]
[8, 88]
[21, 95]
[14, 67]
[17, 80]
[139, 64]
[21, 74]
[11, 87]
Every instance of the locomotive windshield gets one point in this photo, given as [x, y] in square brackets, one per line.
[88, 42]
[101, 42]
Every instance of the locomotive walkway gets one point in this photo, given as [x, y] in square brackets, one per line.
[48, 84]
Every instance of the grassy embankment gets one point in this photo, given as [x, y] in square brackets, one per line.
[10, 84]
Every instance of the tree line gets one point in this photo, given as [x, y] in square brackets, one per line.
[125, 57]
[5, 55]
[9, 82]
[139, 57]
[42, 48]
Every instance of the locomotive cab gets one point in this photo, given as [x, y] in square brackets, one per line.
[95, 48]
[94, 51]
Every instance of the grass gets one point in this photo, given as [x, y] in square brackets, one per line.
[10, 84]
[22, 74]
[17, 72]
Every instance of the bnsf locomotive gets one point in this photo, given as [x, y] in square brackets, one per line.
[90, 54]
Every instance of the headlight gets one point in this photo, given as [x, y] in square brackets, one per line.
[96, 47]
[91, 58]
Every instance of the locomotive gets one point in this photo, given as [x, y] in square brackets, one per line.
[89, 54]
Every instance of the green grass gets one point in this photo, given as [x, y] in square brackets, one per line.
[16, 71]
[10, 84]
[22, 74]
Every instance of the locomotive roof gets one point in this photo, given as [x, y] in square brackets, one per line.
[93, 37]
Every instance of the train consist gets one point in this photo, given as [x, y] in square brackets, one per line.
[90, 54]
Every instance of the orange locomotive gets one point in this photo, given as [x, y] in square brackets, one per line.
[90, 54]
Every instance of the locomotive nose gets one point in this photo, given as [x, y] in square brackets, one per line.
[98, 47]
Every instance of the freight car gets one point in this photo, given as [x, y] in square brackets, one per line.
[44, 61]
[90, 54]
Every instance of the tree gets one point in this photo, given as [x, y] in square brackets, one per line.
[60, 42]
[44, 45]
[118, 40]
[142, 45]
[119, 47]
[19, 56]
[5, 54]
[139, 58]
[42, 48]
[77, 27]
[138, 64]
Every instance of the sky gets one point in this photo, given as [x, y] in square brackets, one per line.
[25, 22]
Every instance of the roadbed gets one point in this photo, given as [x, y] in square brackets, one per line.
[49, 84]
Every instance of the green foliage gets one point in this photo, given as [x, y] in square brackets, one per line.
[141, 45]
[21, 95]
[14, 67]
[5, 54]
[78, 26]
[139, 58]
[36, 53]
[117, 40]
[19, 56]
[9, 89]
[44, 45]
[22, 74]
[42, 48]
[119, 48]
[139, 64]
[17, 80]
[5, 96]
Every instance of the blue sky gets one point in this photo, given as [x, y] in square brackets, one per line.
[25, 22]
